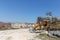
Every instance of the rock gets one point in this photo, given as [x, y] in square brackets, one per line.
[51, 35]
[54, 33]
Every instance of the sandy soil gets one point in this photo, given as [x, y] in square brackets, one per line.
[18, 34]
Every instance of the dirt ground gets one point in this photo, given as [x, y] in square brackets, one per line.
[18, 34]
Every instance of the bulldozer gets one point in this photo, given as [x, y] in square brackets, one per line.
[41, 24]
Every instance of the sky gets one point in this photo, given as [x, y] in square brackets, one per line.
[27, 10]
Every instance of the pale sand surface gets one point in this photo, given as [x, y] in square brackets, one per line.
[18, 34]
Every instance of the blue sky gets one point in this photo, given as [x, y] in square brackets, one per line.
[27, 10]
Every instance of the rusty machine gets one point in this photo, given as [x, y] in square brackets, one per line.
[41, 24]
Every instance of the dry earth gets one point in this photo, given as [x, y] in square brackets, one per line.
[18, 34]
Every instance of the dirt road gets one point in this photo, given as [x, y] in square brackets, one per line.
[18, 34]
